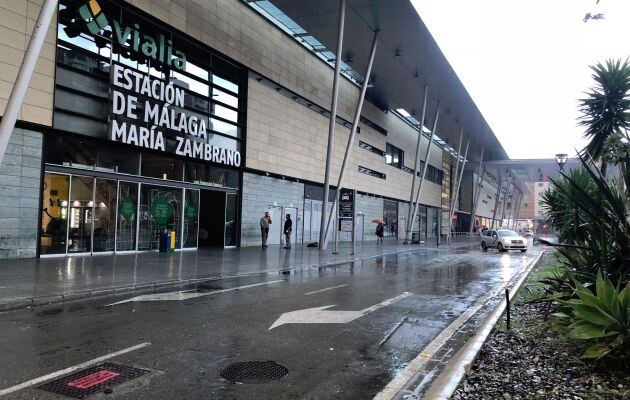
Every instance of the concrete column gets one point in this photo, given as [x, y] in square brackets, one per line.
[496, 203]
[332, 123]
[505, 197]
[424, 169]
[459, 182]
[416, 165]
[353, 130]
[452, 202]
[476, 199]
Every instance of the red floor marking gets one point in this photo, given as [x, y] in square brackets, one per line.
[93, 379]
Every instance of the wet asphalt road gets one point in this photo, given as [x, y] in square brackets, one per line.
[193, 339]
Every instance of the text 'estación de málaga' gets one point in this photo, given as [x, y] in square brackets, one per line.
[159, 100]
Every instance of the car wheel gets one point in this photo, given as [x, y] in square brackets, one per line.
[523, 251]
[500, 248]
[483, 246]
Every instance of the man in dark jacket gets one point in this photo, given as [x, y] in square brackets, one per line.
[288, 227]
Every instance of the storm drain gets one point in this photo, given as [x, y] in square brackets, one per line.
[254, 372]
[85, 383]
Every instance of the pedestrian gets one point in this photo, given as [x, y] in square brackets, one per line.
[380, 229]
[264, 228]
[394, 230]
[288, 227]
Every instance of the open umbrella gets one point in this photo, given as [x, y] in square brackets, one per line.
[378, 221]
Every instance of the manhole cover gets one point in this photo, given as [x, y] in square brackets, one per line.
[85, 383]
[254, 372]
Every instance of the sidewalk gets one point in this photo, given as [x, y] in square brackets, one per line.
[26, 282]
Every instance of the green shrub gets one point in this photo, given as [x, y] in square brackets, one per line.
[603, 318]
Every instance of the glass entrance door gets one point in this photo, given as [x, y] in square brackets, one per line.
[127, 218]
[105, 203]
[81, 214]
[54, 229]
[160, 208]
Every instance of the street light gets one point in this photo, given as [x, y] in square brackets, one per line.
[561, 159]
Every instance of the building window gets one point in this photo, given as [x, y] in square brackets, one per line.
[394, 156]
[540, 184]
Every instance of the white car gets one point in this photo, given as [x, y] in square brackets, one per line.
[503, 240]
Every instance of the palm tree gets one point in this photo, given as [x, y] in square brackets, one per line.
[606, 107]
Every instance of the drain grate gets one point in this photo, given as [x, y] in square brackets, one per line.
[85, 383]
[254, 372]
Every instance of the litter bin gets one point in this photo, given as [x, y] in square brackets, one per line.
[167, 241]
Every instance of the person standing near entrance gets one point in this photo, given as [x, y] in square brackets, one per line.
[264, 228]
[288, 227]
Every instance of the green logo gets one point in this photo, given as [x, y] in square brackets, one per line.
[127, 208]
[93, 16]
[161, 210]
[131, 37]
[191, 211]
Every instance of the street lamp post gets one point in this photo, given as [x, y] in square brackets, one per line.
[561, 159]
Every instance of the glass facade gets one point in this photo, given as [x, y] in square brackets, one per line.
[104, 196]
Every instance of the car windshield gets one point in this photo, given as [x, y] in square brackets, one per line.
[507, 234]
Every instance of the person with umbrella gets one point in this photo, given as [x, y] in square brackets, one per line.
[380, 231]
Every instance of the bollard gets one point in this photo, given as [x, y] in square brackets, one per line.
[507, 308]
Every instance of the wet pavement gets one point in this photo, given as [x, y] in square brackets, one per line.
[23, 280]
[404, 299]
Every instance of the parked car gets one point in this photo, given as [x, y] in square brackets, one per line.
[503, 240]
[528, 233]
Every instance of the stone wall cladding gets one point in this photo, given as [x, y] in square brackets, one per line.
[260, 192]
[20, 190]
[282, 136]
[17, 19]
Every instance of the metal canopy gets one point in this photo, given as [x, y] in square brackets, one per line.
[522, 171]
[408, 57]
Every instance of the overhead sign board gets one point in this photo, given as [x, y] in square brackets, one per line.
[148, 112]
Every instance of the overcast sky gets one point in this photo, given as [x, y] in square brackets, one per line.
[526, 62]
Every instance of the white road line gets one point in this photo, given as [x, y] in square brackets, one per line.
[44, 378]
[324, 290]
[187, 294]
[397, 384]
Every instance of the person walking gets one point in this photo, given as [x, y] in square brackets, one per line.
[288, 227]
[264, 228]
[380, 230]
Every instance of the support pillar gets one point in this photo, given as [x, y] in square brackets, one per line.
[416, 165]
[25, 74]
[424, 170]
[512, 204]
[476, 199]
[518, 209]
[497, 196]
[505, 198]
[452, 202]
[459, 182]
[331, 125]
[353, 130]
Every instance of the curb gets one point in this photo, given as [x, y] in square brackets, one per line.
[23, 303]
[446, 382]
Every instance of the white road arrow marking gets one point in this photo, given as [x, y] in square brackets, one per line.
[321, 315]
[187, 294]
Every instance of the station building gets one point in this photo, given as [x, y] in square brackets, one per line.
[200, 116]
